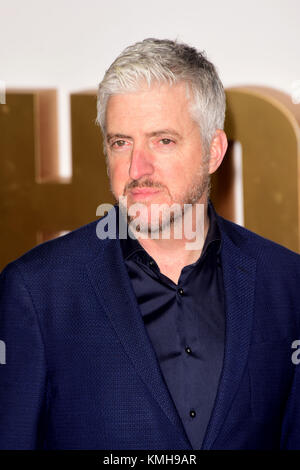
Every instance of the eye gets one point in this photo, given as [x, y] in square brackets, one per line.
[119, 143]
[166, 141]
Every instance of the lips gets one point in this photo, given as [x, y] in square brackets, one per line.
[144, 193]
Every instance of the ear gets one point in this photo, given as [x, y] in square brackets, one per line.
[217, 151]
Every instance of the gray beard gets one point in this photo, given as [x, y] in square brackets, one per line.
[168, 220]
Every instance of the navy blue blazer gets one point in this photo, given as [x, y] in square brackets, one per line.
[81, 372]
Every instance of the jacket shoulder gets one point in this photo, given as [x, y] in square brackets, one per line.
[256, 245]
[75, 248]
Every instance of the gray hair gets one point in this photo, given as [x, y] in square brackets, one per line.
[165, 61]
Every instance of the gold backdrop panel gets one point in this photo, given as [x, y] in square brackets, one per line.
[90, 181]
[28, 149]
[35, 203]
[266, 123]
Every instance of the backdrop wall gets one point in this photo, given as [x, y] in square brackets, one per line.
[68, 44]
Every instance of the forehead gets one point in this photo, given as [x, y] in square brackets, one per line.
[155, 105]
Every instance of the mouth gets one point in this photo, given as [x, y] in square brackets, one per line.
[143, 193]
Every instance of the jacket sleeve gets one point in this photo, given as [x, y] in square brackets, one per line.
[22, 365]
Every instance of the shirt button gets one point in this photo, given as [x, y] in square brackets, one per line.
[180, 291]
[192, 413]
[188, 350]
[151, 262]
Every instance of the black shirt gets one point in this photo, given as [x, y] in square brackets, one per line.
[186, 325]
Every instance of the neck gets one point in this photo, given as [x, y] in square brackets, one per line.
[172, 255]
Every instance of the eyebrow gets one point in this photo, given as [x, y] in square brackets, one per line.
[162, 132]
[148, 134]
[119, 136]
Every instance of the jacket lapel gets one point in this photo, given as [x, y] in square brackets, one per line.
[239, 286]
[111, 282]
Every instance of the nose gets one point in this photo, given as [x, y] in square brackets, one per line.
[141, 163]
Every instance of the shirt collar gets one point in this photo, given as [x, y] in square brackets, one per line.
[131, 246]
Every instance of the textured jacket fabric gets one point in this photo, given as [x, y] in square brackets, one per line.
[81, 372]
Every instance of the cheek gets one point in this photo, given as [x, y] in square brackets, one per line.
[174, 173]
[118, 175]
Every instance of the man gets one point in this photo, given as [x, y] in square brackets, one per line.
[138, 342]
